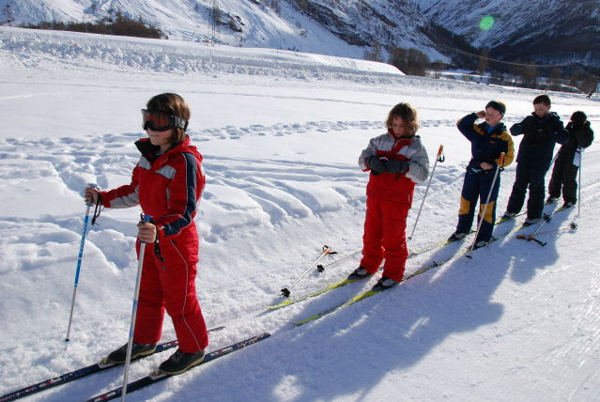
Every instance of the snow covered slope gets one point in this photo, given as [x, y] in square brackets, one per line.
[280, 134]
[547, 31]
[323, 26]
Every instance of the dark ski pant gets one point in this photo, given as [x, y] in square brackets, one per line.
[385, 238]
[476, 186]
[532, 177]
[564, 174]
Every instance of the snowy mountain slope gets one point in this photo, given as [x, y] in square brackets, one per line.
[548, 32]
[368, 23]
[341, 29]
[191, 20]
[517, 322]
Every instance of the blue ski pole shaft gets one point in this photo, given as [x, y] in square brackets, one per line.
[136, 293]
[86, 220]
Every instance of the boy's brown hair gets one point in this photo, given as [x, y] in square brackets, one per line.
[171, 103]
[407, 113]
[545, 99]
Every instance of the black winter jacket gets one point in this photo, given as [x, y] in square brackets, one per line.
[540, 136]
[580, 135]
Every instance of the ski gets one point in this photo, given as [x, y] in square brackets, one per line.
[346, 281]
[422, 270]
[157, 376]
[316, 293]
[546, 218]
[340, 306]
[502, 219]
[80, 373]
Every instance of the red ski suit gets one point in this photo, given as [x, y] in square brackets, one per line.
[389, 198]
[167, 187]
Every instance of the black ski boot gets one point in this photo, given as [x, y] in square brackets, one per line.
[180, 362]
[360, 273]
[119, 356]
[384, 283]
[456, 236]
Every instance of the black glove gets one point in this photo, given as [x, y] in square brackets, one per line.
[396, 166]
[377, 165]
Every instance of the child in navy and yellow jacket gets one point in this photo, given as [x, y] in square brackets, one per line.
[489, 140]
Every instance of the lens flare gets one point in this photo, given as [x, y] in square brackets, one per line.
[487, 23]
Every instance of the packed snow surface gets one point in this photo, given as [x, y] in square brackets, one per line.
[280, 133]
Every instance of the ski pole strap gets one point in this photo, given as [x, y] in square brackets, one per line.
[97, 210]
[328, 250]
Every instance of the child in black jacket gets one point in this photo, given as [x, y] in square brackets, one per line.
[568, 160]
[541, 130]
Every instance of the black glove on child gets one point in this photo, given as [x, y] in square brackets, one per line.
[377, 165]
[380, 165]
[578, 118]
[396, 166]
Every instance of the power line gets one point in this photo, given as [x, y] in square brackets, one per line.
[506, 62]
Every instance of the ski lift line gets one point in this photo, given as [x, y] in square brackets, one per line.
[505, 62]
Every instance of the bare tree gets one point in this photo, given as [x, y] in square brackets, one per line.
[9, 16]
[554, 80]
[483, 63]
[374, 54]
[529, 75]
[589, 84]
[411, 61]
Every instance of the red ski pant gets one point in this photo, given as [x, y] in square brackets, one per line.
[385, 238]
[170, 285]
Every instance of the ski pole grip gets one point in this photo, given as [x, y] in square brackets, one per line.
[145, 218]
[92, 186]
[440, 154]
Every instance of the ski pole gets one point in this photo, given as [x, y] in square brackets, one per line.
[571, 227]
[86, 220]
[487, 202]
[579, 150]
[138, 280]
[285, 292]
[321, 268]
[546, 218]
[440, 158]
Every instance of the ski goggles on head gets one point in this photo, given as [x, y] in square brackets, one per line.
[160, 121]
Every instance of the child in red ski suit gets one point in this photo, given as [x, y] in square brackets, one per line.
[397, 161]
[167, 183]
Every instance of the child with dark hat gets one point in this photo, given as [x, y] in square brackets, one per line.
[564, 173]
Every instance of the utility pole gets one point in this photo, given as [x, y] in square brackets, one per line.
[214, 16]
